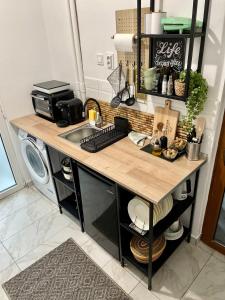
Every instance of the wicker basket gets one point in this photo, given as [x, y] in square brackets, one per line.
[179, 88]
[139, 248]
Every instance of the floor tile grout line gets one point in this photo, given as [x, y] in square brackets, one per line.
[134, 287]
[37, 220]
[195, 278]
[13, 260]
[45, 214]
[25, 228]
[22, 207]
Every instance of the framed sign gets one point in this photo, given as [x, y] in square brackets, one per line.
[169, 52]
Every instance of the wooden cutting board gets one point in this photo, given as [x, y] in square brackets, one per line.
[165, 116]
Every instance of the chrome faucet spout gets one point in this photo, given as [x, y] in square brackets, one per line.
[85, 105]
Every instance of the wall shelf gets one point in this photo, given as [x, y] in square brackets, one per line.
[174, 97]
[191, 36]
[173, 35]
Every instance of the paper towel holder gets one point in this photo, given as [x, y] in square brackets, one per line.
[134, 38]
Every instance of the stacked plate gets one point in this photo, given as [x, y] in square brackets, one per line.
[139, 248]
[138, 210]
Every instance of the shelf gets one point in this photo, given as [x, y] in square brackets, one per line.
[59, 176]
[134, 232]
[144, 91]
[172, 35]
[70, 205]
[171, 246]
[178, 209]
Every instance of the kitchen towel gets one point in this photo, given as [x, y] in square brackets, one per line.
[137, 138]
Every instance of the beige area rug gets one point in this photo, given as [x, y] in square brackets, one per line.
[64, 273]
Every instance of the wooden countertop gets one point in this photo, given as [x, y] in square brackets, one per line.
[149, 177]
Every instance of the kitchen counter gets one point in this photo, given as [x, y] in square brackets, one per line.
[144, 174]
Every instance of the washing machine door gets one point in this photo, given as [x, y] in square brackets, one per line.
[34, 161]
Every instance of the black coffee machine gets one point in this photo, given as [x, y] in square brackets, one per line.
[71, 112]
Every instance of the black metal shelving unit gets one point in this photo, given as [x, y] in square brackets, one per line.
[67, 192]
[126, 233]
[191, 36]
[69, 184]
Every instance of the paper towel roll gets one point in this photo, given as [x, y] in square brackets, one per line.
[124, 42]
[156, 27]
[148, 20]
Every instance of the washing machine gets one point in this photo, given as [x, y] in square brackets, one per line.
[36, 159]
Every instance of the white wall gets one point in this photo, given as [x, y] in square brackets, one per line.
[24, 56]
[24, 60]
[59, 40]
[97, 25]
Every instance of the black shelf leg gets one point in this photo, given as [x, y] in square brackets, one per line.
[204, 27]
[193, 207]
[150, 246]
[54, 183]
[122, 263]
[138, 44]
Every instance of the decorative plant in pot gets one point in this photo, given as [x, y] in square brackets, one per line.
[198, 91]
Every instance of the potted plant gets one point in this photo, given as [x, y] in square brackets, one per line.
[198, 91]
[179, 84]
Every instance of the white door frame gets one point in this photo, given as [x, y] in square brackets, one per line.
[11, 156]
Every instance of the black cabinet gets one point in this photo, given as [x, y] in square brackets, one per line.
[99, 205]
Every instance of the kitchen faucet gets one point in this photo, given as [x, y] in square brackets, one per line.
[85, 104]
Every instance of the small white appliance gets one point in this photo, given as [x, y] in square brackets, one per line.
[183, 190]
[36, 159]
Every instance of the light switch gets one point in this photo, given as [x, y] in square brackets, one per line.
[100, 59]
[110, 60]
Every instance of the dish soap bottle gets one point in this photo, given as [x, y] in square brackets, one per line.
[92, 117]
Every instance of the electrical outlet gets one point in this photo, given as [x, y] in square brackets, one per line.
[100, 59]
[110, 60]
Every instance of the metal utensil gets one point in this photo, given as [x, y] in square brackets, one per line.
[117, 79]
[200, 127]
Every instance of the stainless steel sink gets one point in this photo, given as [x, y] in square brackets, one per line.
[79, 133]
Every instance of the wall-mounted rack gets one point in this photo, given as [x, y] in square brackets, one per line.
[191, 36]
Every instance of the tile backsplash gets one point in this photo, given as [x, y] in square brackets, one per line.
[139, 121]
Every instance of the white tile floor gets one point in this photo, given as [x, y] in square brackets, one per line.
[31, 226]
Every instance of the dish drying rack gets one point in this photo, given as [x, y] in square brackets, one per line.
[102, 139]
